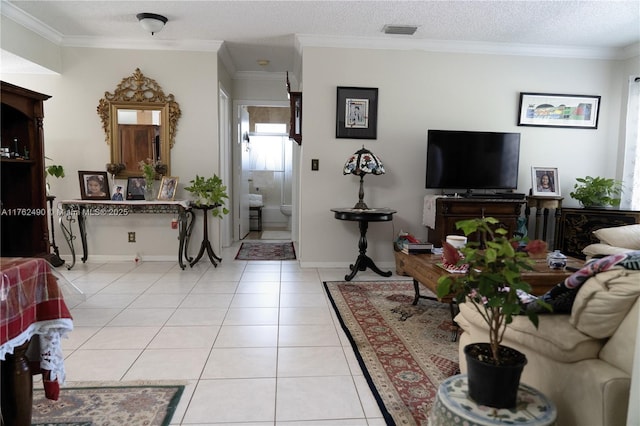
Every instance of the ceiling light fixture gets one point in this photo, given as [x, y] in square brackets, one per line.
[263, 62]
[151, 22]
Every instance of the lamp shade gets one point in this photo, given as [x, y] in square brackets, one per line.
[360, 164]
[363, 162]
[151, 22]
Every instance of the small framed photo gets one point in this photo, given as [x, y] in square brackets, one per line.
[94, 185]
[549, 110]
[135, 188]
[357, 113]
[545, 182]
[168, 188]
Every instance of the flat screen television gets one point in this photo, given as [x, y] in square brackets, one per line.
[468, 160]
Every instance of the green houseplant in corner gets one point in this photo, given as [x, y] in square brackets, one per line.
[597, 191]
[491, 285]
[55, 170]
[209, 192]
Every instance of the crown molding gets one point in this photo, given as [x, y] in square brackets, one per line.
[29, 22]
[455, 46]
[151, 44]
[259, 75]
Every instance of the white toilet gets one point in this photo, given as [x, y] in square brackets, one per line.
[285, 209]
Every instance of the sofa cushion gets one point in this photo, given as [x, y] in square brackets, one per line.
[604, 300]
[600, 249]
[555, 336]
[627, 236]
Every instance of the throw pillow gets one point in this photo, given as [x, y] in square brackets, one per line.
[627, 236]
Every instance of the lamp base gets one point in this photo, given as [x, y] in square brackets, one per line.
[361, 206]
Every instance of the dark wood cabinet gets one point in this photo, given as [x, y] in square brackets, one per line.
[451, 210]
[577, 226]
[23, 197]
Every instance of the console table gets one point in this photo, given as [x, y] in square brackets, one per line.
[31, 305]
[450, 210]
[80, 210]
[363, 217]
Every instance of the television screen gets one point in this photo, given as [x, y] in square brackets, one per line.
[472, 160]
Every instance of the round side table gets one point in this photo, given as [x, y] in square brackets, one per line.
[454, 407]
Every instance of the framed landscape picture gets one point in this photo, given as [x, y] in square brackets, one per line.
[357, 113]
[545, 182]
[550, 110]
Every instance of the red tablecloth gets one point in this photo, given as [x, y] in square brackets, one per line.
[31, 303]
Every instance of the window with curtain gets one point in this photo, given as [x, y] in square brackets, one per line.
[631, 169]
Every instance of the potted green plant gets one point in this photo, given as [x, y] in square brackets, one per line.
[209, 192]
[55, 170]
[491, 284]
[148, 169]
[597, 191]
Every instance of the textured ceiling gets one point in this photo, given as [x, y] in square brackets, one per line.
[255, 30]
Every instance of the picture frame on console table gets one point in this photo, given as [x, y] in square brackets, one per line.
[545, 182]
[135, 188]
[552, 110]
[357, 113]
[168, 188]
[94, 185]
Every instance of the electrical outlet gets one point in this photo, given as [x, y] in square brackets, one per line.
[132, 237]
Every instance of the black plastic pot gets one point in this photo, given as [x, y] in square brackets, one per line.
[490, 384]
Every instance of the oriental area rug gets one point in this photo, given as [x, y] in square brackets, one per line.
[266, 251]
[107, 406]
[405, 351]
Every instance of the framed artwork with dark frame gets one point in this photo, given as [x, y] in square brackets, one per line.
[550, 110]
[545, 182]
[135, 188]
[94, 185]
[168, 188]
[357, 113]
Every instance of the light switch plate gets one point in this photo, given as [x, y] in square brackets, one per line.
[315, 164]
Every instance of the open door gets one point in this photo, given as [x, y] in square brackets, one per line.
[243, 173]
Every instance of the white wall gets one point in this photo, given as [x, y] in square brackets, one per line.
[75, 139]
[420, 90]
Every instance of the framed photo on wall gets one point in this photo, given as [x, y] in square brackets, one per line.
[94, 185]
[545, 182]
[357, 113]
[549, 110]
[168, 188]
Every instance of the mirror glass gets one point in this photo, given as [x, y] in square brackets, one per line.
[139, 123]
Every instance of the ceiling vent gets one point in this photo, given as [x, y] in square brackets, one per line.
[400, 29]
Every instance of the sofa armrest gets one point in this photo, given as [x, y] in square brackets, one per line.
[555, 337]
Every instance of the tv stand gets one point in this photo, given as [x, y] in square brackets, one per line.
[487, 196]
[450, 210]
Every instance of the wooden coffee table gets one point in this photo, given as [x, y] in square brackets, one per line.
[423, 269]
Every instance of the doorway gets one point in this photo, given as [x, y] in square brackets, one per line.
[264, 172]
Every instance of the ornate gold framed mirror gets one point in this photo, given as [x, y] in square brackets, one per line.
[139, 123]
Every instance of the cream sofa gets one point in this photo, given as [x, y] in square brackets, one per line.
[582, 361]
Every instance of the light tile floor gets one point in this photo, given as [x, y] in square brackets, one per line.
[255, 343]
